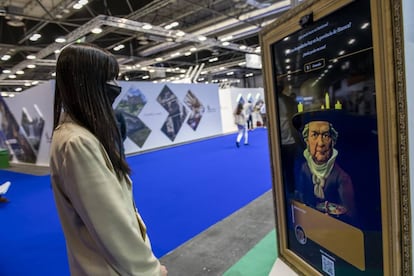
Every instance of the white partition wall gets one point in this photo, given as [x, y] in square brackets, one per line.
[157, 115]
[164, 114]
[229, 98]
[27, 123]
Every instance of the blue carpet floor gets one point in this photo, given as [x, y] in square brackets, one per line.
[180, 191]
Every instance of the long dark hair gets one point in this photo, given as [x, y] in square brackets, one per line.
[81, 73]
[239, 109]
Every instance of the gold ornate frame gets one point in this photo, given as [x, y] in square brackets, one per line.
[387, 33]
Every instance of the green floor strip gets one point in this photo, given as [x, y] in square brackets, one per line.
[258, 261]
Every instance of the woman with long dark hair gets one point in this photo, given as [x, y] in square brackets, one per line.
[104, 232]
[240, 121]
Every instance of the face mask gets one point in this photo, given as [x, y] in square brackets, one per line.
[112, 91]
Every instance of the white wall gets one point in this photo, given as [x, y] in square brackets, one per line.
[153, 113]
[42, 97]
[146, 110]
[228, 102]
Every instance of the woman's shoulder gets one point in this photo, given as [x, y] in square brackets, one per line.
[71, 132]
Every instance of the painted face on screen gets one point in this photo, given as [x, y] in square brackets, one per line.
[319, 141]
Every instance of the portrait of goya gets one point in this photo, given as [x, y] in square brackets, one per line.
[329, 156]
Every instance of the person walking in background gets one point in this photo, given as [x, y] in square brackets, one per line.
[248, 110]
[241, 123]
[263, 114]
[104, 232]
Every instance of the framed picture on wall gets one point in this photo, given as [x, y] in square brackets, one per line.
[337, 130]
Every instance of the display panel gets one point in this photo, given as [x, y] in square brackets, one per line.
[332, 147]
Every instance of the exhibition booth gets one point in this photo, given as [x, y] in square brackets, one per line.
[157, 115]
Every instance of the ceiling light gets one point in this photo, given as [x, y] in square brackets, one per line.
[145, 77]
[175, 54]
[242, 47]
[213, 59]
[31, 57]
[351, 41]
[35, 37]
[158, 59]
[80, 4]
[193, 49]
[226, 43]
[27, 84]
[180, 33]
[12, 76]
[77, 6]
[53, 74]
[96, 30]
[35, 82]
[11, 95]
[365, 25]
[5, 57]
[226, 38]
[6, 71]
[202, 38]
[229, 73]
[187, 54]
[4, 94]
[18, 89]
[147, 27]
[14, 20]
[19, 72]
[119, 47]
[31, 66]
[172, 25]
[60, 40]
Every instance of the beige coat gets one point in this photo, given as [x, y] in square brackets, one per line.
[104, 233]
